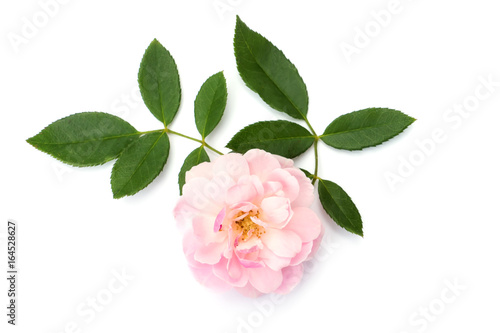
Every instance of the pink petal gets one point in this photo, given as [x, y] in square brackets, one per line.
[231, 272]
[303, 254]
[284, 162]
[261, 163]
[253, 244]
[199, 194]
[306, 189]
[183, 213]
[305, 223]
[239, 193]
[292, 275]
[290, 183]
[232, 165]
[272, 260]
[273, 189]
[210, 254]
[204, 275]
[248, 253]
[317, 243]
[203, 170]
[219, 219]
[265, 279]
[241, 207]
[258, 221]
[283, 243]
[276, 211]
[250, 263]
[204, 232]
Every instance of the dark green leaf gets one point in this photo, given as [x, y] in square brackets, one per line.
[365, 128]
[267, 71]
[307, 173]
[340, 207]
[139, 164]
[85, 139]
[159, 83]
[210, 104]
[279, 137]
[197, 156]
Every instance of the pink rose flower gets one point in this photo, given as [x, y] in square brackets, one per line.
[247, 223]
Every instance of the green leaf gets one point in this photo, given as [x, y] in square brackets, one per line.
[267, 71]
[340, 207]
[279, 137]
[159, 83]
[197, 156]
[307, 173]
[139, 164]
[365, 128]
[210, 104]
[85, 139]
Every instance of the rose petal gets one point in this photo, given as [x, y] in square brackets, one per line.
[283, 243]
[219, 219]
[199, 195]
[249, 263]
[284, 162]
[231, 165]
[306, 189]
[305, 223]
[290, 183]
[203, 230]
[303, 254]
[210, 254]
[261, 163]
[204, 275]
[239, 193]
[273, 189]
[292, 275]
[231, 272]
[265, 279]
[203, 170]
[272, 260]
[317, 243]
[276, 211]
[252, 244]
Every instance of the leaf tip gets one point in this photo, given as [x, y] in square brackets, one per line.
[30, 141]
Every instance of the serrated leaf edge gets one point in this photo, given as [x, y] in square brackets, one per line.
[321, 181]
[294, 68]
[402, 130]
[115, 195]
[33, 144]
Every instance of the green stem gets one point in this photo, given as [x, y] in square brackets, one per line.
[316, 156]
[316, 160]
[203, 143]
[310, 127]
[148, 132]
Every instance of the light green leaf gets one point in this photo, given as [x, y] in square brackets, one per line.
[85, 139]
[197, 156]
[210, 104]
[365, 128]
[279, 137]
[159, 83]
[340, 207]
[139, 164]
[267, 71]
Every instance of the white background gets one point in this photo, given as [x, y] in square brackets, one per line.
[441, 224]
